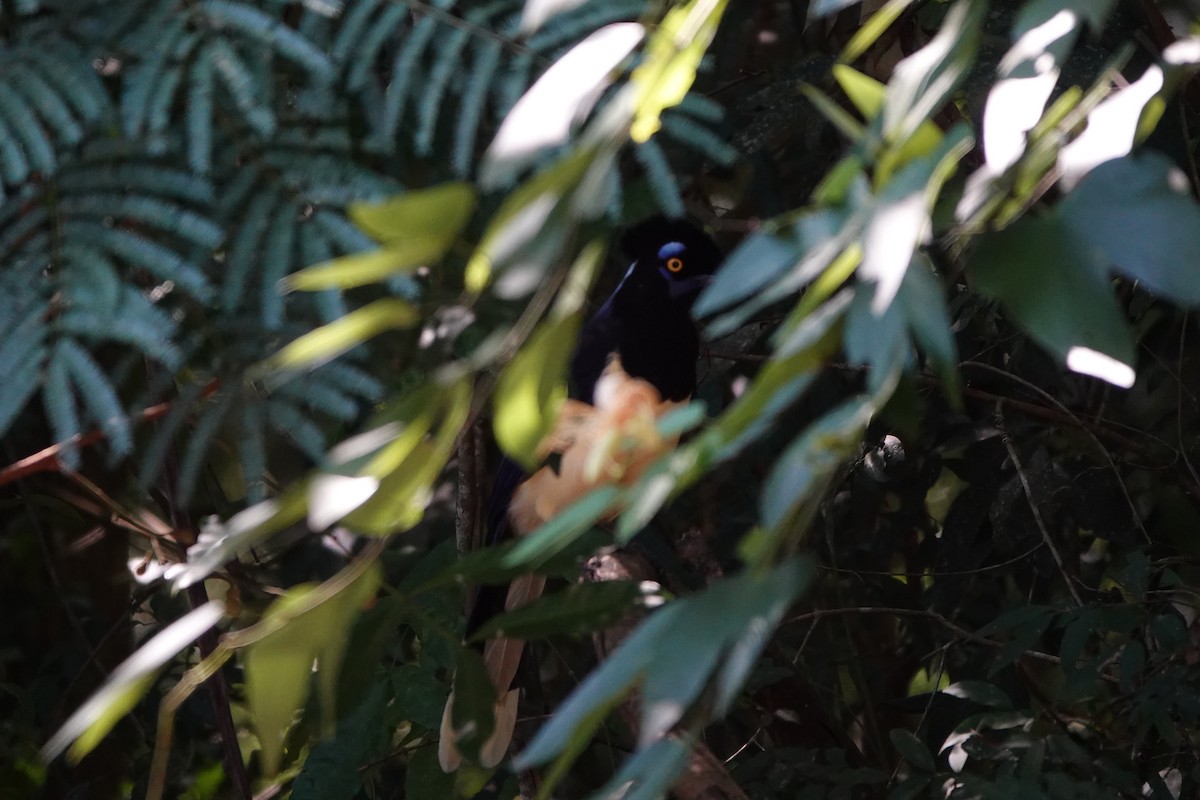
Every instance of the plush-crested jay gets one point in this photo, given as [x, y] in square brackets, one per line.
[635, 360]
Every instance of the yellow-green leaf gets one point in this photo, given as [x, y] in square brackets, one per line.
[278, 667]
[523, 216]
[532, 388]
[434, 216]
[330, 341]
[669, 67]
[405, 484]
[867, 95]
[361, 269]
[873, 28]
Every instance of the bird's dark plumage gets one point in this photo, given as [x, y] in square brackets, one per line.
[640, 348]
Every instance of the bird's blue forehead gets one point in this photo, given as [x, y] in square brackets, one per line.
[670, 250]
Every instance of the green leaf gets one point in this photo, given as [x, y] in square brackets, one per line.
[869, 95]
[424, 779]
[814, 455]
[330, 341]
[670, 60]
[913, 749]
[1149, 195]
[923, 82]
[581, 608]
[473, 702]
[921, 303]
[841, 119]
[900, 221]
[873, 28]
[331, 770]
[562, 95]
[673, 662]
[128, 683]
[278, 667]
[521, 224]
[1051, 281]
[650, 773]
[404, 487]
[532, 388]
[757, 262]
[420, 696]
[426, 221]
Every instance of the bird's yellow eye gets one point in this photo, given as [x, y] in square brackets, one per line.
[675, 264]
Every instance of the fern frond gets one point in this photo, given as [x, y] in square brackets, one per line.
[165, 215]
[354, 23]
[339, 229]
[48, 103]
[162, 35]
[246, 92]
[59, 403]
[474, 100]
[404, 66]
[513, 82]
[563, 30]
[203, 434]
[137, 178]
[660, 178]
[270, 32]
[199, 114]
[68, 71]
[90, 279]
[352, 379]
[701, 107]
[315, 248]
[435, 89]
[20, 117]
[367, 49]
[241, 256]
[136, 323]
[310, 391]
[324, 179]
[252, 451]
[305, 434]
[21, 382]
[277, 263]
[14, 168]
[98, 395]
[157, 259]
[158, 113]
[165, 433]
[699, 138]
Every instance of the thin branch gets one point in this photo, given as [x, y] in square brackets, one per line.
[934, 616]
[1075, 420]
[1033, 507]
[46, 459]
[218, 688]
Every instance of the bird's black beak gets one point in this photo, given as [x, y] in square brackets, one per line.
[689, 287]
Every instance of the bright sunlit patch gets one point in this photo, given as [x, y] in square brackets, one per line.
[543, 116]
[1086, 361]
[1111, 128]
[332, 497]
[1015, 103]
[891, 237]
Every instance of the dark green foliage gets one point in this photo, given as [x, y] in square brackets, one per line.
[904, 549]
[163, 168]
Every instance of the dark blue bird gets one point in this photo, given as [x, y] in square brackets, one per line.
[644, 330]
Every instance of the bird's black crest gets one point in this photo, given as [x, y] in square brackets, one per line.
[643, 240]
